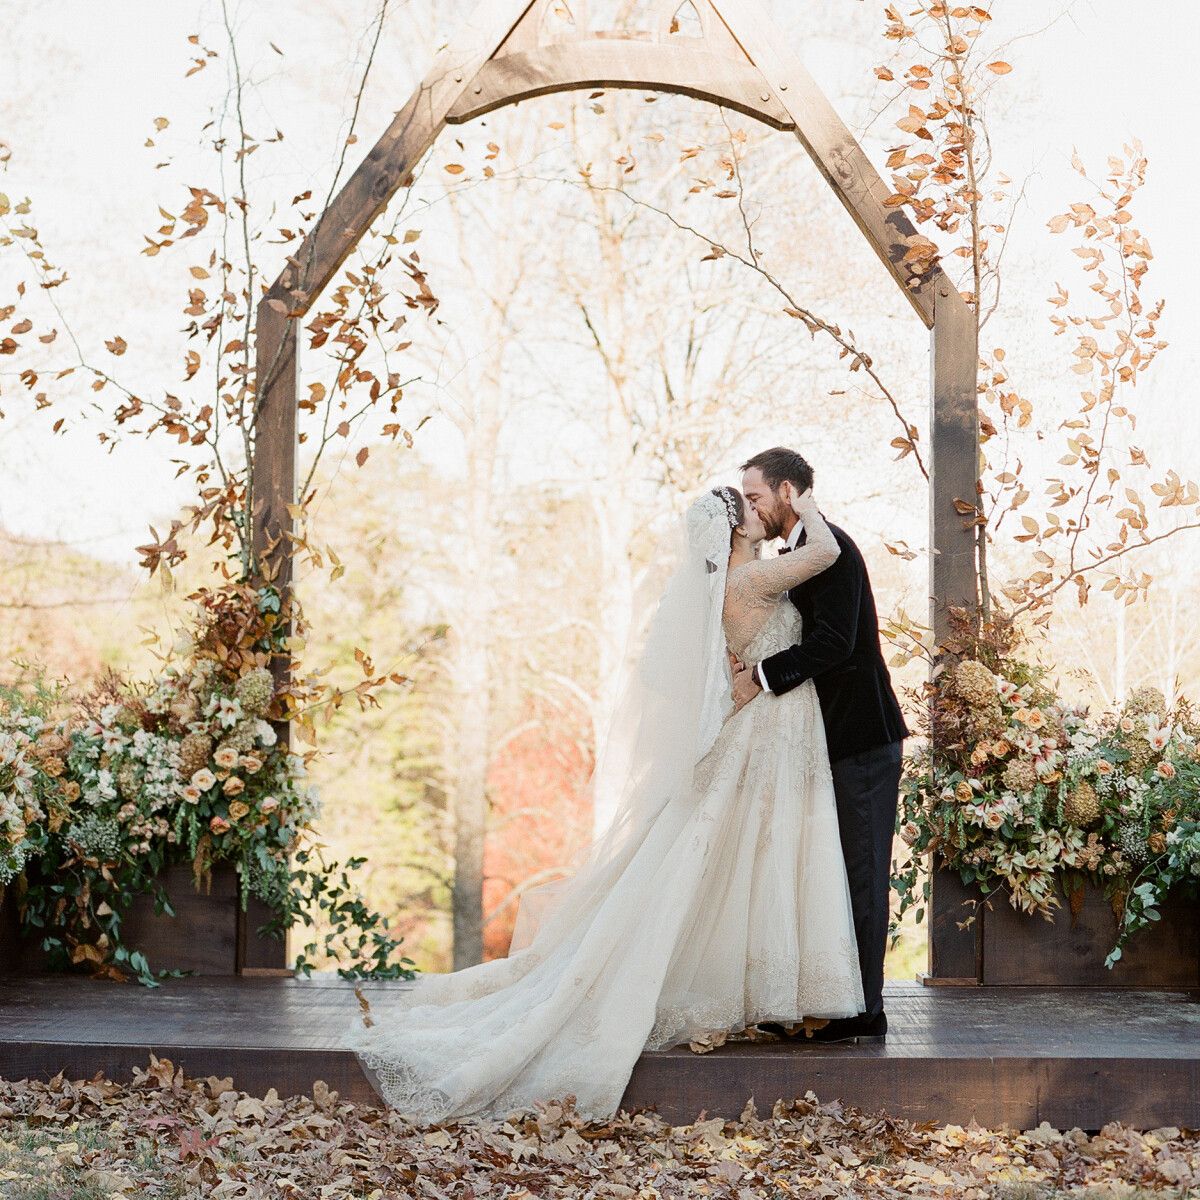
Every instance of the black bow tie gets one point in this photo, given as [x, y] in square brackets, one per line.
[785, 549]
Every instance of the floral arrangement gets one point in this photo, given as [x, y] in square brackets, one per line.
[1017, 790]
[98, 795]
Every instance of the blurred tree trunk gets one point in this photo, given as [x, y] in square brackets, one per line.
[470, 678]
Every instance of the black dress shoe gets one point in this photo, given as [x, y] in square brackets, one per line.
[843, 1029]
[854, 1029]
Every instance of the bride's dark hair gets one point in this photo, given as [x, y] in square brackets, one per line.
[735, 504]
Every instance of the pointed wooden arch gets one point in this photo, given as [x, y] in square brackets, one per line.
[742, 62]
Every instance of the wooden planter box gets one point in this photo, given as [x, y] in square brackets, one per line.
[209, 934]
[1004, 947]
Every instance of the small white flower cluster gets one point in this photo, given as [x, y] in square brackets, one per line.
[17, 799]
[158, 758]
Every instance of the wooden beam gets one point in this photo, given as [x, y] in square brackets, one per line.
[833, 148]
[570, 66]
[391, 161]
[955, 954]
[277, 376]
[275, 439]
[953, 458]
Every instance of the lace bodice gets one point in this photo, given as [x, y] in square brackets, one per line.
[756, 623]
[782, 628]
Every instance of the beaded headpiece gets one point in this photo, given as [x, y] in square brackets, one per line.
[730, 506]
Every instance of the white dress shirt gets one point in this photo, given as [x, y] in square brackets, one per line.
[792, 539]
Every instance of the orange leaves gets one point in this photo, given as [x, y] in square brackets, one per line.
[191, 364]
[1173, 492]
[999, 68]
[116, 346]
[914, 122]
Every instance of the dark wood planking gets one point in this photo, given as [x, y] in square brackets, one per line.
[1019, 949]
[253, 1070]
[1017, 1092]
[259, 954]
[645, 66]
[955, 955]
[201, 937]
[999, 1055]
[208, 934]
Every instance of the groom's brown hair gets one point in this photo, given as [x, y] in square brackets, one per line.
[778, 464]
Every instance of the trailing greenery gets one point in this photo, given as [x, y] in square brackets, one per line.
[1018, 791]
[101, 792]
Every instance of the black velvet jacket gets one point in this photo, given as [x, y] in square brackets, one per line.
[840, 652]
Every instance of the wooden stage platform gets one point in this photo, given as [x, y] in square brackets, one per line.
[1003, 1056]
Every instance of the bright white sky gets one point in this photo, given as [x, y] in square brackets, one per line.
[80, 85]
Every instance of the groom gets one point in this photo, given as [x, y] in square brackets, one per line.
[839, 650]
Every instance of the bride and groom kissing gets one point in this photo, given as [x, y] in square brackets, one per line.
[756, 755]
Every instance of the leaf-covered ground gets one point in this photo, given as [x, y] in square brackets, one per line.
[167, 1135]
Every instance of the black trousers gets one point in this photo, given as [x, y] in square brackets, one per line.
[867, 787]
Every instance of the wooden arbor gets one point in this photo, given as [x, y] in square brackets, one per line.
[512, 50]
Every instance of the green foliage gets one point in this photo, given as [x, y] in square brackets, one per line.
[102, 792]
[1016, 791]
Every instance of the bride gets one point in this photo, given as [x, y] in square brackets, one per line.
[716, 899]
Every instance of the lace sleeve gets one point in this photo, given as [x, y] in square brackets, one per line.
[774, 576]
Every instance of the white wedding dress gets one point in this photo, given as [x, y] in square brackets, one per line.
[728, 905]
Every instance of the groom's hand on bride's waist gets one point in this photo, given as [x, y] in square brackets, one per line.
[745, 685]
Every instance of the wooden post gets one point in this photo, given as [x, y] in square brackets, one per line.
[277, 373]
[955, 955]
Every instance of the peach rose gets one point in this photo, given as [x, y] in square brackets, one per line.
[233, 785]
[219, 825]
[1166, 770]
[963, 792]
[238, 809]
[226, 758]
